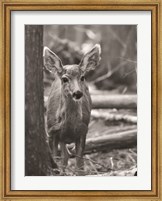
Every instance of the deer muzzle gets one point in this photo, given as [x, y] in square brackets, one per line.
[77, 95]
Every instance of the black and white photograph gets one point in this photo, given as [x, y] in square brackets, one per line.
[81, 100]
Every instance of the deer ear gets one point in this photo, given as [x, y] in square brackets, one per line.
[91, 59]
[51, 61]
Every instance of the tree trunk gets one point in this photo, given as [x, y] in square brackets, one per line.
[37, 161]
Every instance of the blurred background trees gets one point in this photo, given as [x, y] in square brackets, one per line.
[117, 70]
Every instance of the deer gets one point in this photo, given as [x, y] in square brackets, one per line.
[69, 105]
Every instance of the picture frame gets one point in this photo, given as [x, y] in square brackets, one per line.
[5, 80]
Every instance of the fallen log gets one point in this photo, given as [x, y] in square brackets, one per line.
[111, 101]
[122, 140]
[114, 101]
[113, 116]
[125, 139]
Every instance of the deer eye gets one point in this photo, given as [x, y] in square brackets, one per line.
[65, 79]
[82, 78]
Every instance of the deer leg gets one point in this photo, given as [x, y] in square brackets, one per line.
[53, 146]
[80, 145]
[64, 157]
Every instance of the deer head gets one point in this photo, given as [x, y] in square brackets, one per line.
[72, 76]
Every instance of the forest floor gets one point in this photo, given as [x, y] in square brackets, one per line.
[119, 162]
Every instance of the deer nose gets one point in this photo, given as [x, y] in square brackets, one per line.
[77, 94]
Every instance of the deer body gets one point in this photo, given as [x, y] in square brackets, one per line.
[69, 105]
[66, 116]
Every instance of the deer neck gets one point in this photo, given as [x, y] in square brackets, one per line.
[71, 109]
